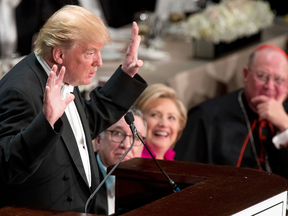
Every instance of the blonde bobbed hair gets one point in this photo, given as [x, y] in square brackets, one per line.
[70, 25]
[159, 90]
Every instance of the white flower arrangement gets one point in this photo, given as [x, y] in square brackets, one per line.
[229, 20]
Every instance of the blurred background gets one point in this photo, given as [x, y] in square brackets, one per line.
[176, 48]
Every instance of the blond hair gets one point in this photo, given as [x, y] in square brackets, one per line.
[70, 25]
[154, 91]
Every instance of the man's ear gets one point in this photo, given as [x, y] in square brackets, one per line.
[245, 75]
[58, 55]
[97, 143]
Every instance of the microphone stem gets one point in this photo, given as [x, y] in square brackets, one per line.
[104, 180]
[172, 183]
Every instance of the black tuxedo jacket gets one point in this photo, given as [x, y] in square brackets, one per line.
[42, 167]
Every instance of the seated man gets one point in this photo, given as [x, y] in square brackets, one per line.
[110, 146]
[237, 129]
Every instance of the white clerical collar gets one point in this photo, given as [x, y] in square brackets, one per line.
[111, 179]
[65, 88]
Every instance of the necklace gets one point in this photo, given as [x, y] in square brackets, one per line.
[267, 166]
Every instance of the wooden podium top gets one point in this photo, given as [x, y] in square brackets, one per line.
[21, 211]
[210, 190]
[142, 189]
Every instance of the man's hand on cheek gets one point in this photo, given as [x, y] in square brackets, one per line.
[271, 110]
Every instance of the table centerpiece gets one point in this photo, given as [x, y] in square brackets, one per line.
[228, 25]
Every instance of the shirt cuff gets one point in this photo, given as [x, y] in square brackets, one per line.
[281, 139]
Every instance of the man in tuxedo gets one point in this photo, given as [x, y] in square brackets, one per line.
[46, 127]
[110, 146]
[248, 127]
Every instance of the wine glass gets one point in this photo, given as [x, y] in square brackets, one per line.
[177, 13]
[176, 16]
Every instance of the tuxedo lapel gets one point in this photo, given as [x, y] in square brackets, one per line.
[71, 144]
[94, 168]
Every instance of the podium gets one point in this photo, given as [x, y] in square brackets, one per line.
[205, 189]
[142, 189]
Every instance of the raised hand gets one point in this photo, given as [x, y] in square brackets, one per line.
[271, 110]
[131, 62]
[53, 105]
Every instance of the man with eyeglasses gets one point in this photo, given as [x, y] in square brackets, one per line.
[248, 127]
[110, 146]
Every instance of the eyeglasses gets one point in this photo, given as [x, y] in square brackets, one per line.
[119, 137]
[265, 77]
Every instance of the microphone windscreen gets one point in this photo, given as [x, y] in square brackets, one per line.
[129, 118]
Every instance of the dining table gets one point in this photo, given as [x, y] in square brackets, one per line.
[194, 79]
[171, 60]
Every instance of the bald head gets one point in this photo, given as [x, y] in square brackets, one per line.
[266, 55]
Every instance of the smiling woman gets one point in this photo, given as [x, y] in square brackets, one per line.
[166, 118]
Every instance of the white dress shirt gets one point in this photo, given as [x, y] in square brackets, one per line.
[75, 122]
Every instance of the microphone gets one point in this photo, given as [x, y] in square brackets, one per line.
[114, 167]
[129, 118]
